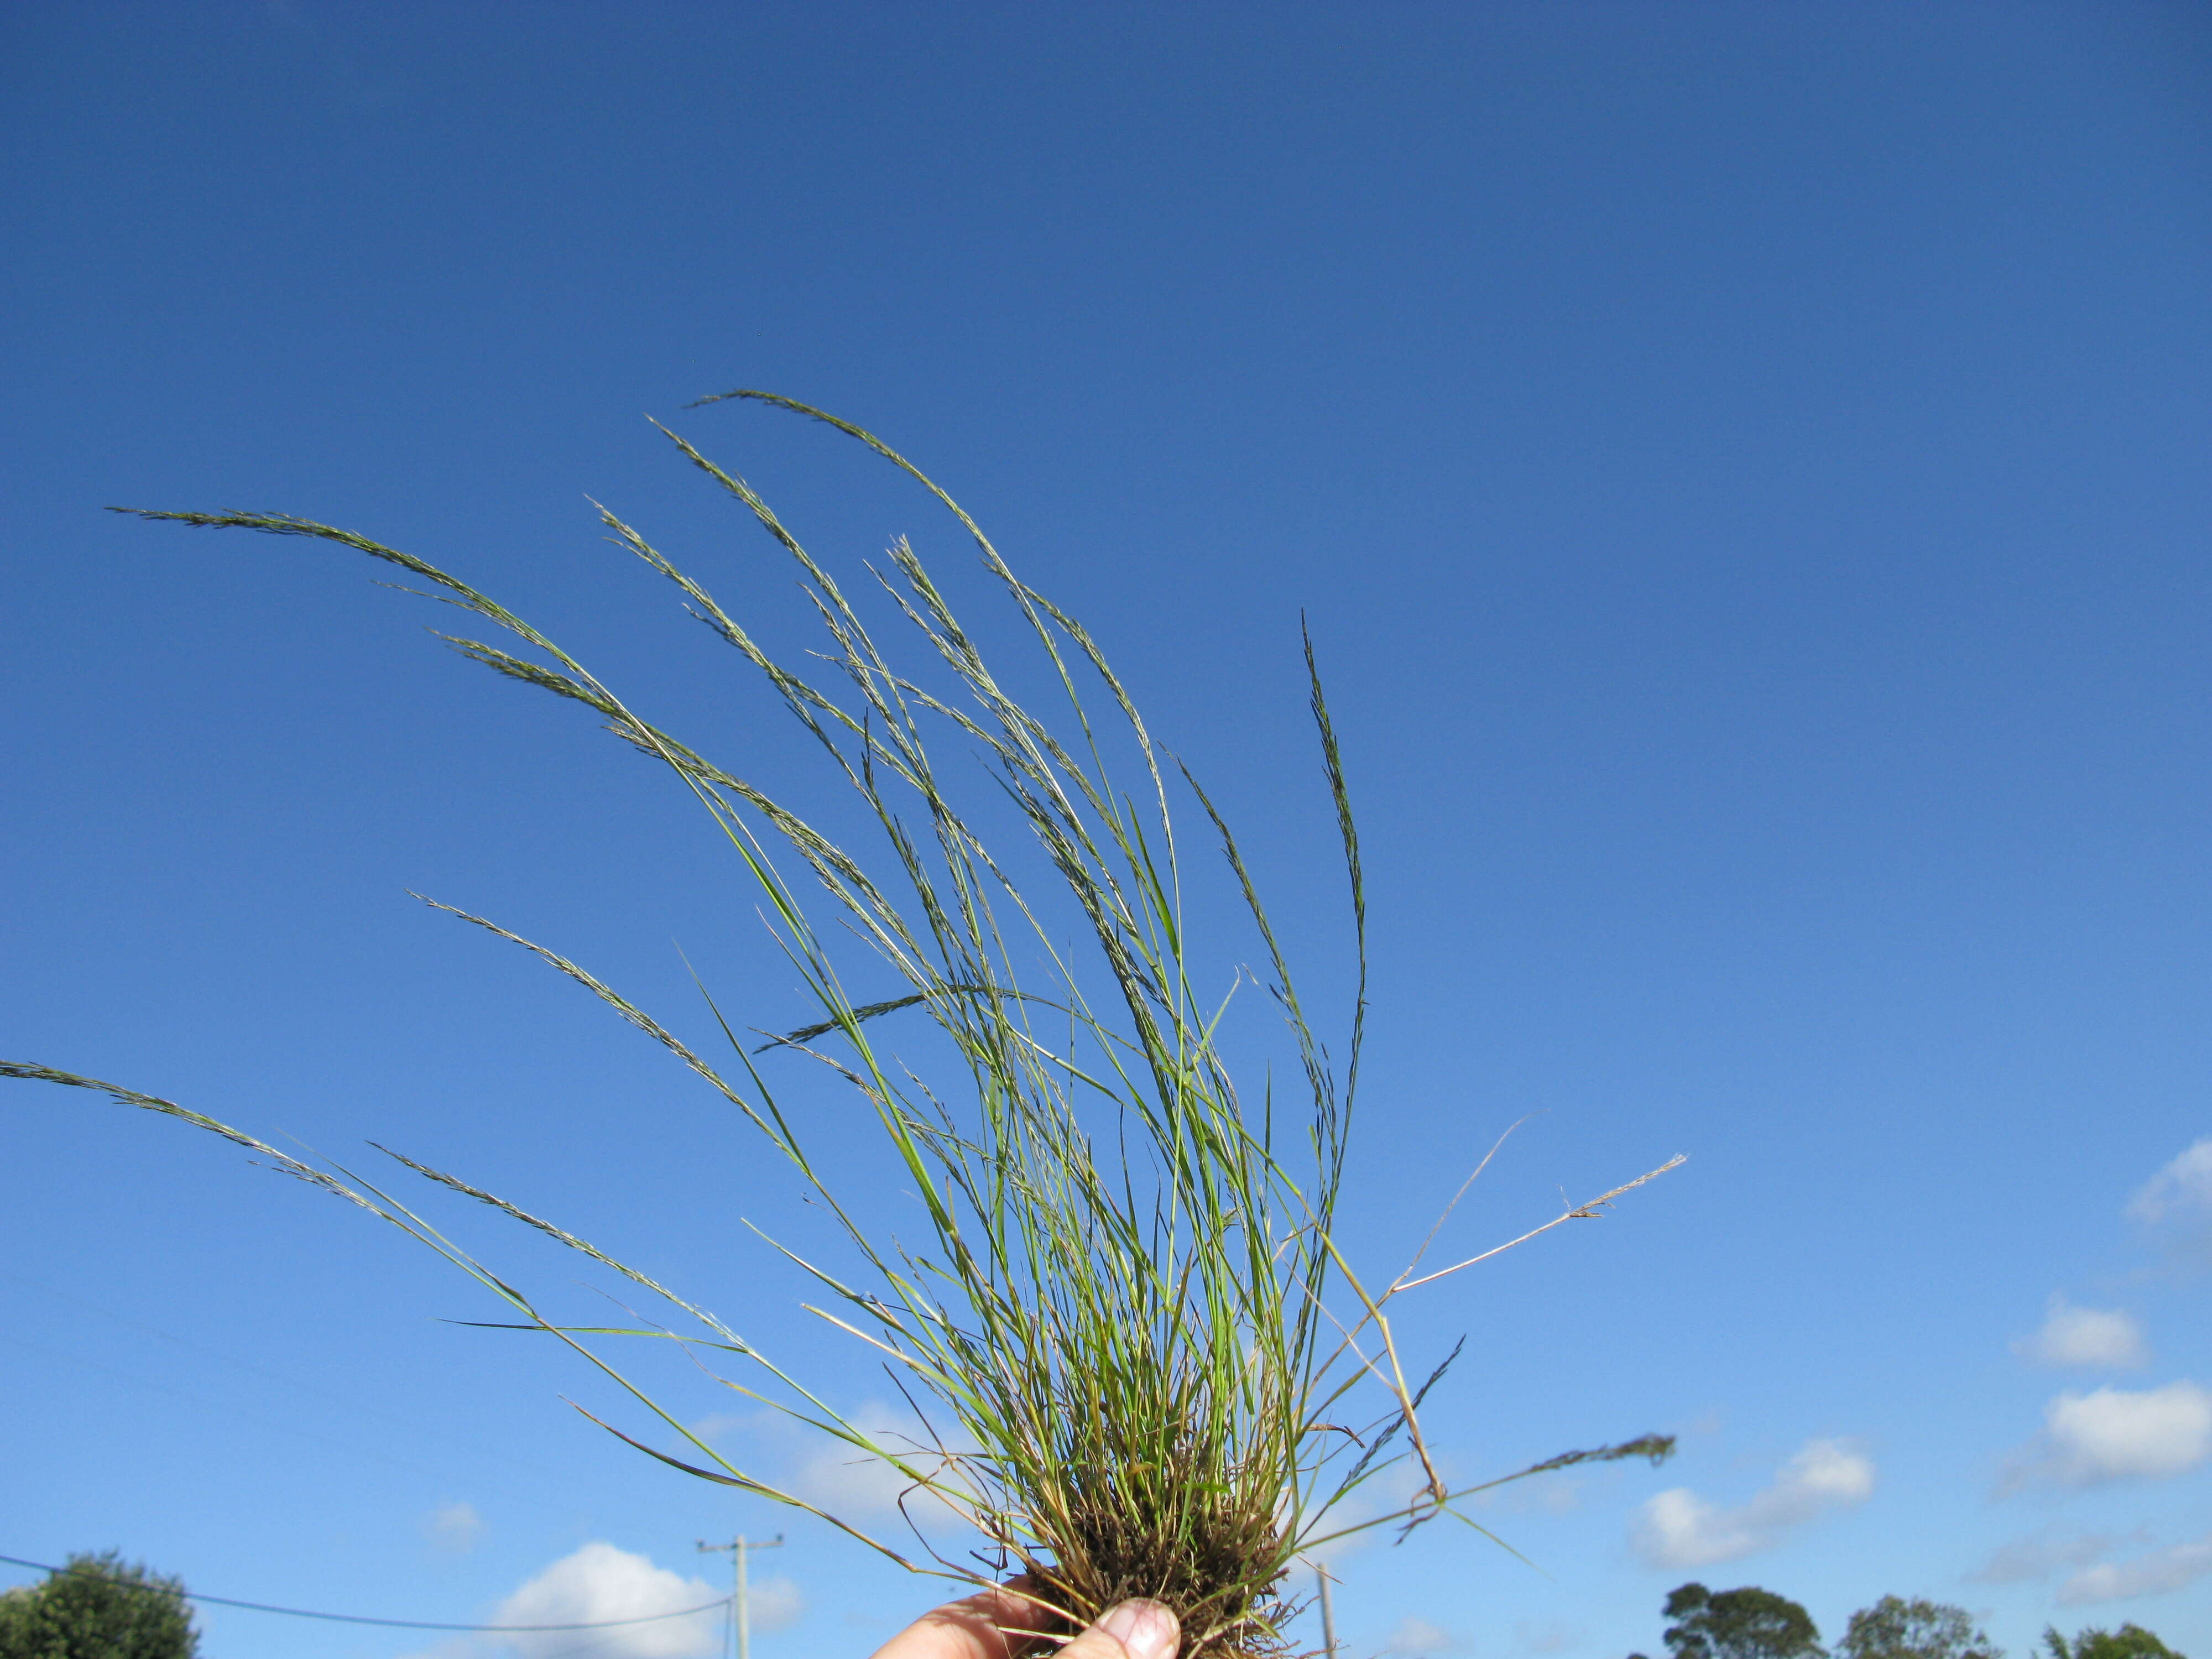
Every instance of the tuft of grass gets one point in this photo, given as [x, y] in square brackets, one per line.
[1144, 1365]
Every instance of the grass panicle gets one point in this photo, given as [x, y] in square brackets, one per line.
[1143, 1364]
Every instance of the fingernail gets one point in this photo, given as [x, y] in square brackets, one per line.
[1146, 1630]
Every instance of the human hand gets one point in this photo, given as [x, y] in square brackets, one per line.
[987, 1626]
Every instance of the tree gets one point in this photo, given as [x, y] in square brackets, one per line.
[1894, 1628]
[97, 1608]
[1740, 1623]
[2128, 1642]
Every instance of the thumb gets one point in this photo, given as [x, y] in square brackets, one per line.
[1132, 1630]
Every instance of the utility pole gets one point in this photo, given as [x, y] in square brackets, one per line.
[1327, 1614]
[739, 1548]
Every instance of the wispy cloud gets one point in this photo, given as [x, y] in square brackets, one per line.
[2182, 1189]
[2104, 1339]
[2160, 1571]
[2118, 1434]
[715, 1425]
[454, 1527]
[1388, 1491]
[1546, 1636]
[772, 1604]
[1354, 1511]
[1417, 1638]
[2039, 1554]
[1551, 1495]
[840, 1479]
[848, 1482]
[1678, 1528]
[2175, 1205]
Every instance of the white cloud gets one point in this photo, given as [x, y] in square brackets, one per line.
[2118, 1434]
[2109, 1340]
[1416, 1638]
[454, 1527]
[2038, 1555]
[1678, 1528]
[2160, 1571]
[600, 1583]
[2180, 1191]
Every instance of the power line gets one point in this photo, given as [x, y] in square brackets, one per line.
[357, 1618]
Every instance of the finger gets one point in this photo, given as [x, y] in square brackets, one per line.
[975, 1628]
[1135, 1630]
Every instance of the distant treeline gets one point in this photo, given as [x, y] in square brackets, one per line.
[1757, 1624]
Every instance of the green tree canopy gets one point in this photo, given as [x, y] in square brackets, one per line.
[97, 1608]
[1894, 1628]
[1749, 1623]
[2128, 1642]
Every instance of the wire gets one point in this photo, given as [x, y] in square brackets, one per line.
[357, 1618]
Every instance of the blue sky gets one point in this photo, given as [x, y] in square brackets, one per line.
[1744, 468]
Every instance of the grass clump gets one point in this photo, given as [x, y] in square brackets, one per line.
[1143, 1364]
